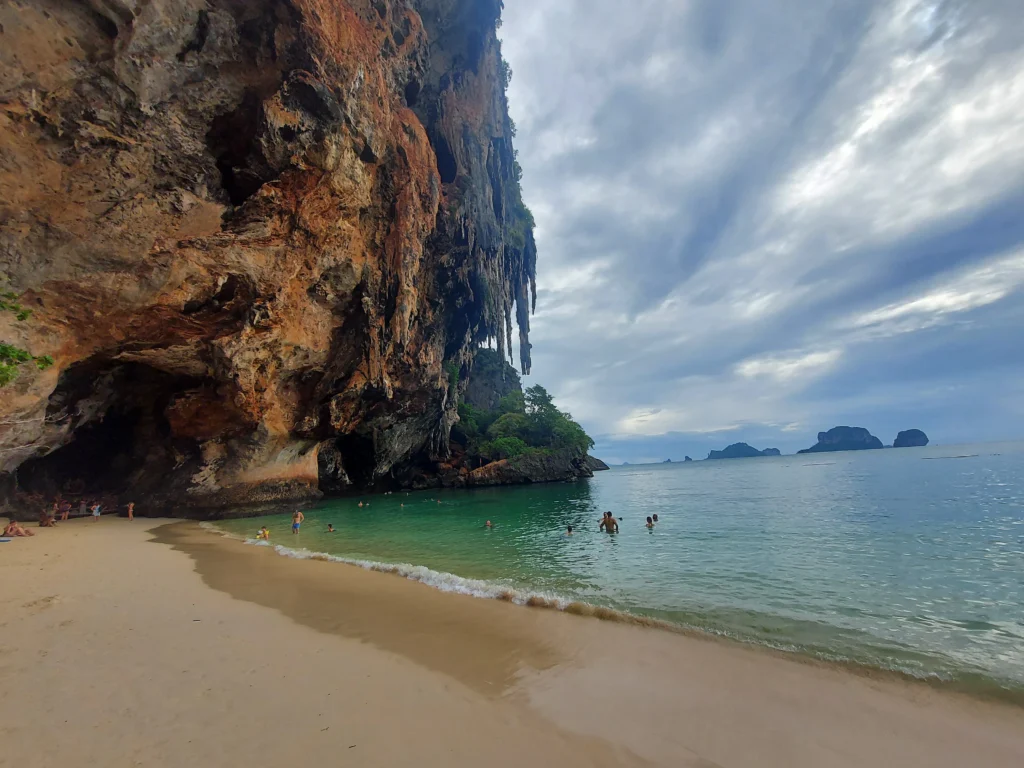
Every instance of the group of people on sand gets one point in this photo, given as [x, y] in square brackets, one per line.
[59, 511]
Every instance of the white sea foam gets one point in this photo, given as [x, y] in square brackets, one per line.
[440, 580]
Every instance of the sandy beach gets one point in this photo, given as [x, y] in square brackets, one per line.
[149, 643]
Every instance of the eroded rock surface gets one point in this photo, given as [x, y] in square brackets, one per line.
[255, 236]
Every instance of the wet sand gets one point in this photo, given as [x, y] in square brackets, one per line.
[149, 644]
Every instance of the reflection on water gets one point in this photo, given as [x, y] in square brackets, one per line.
[881, 557]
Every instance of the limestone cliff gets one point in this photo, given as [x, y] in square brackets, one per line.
[260, 240]
[491, 379]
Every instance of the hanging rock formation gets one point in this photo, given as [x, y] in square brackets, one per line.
[257, 239]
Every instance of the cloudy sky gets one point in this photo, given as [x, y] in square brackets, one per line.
[758, 219]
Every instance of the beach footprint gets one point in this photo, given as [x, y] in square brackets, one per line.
[35, 606]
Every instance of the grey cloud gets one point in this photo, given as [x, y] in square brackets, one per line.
[720, 182]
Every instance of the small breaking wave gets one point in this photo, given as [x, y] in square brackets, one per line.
[440, 580]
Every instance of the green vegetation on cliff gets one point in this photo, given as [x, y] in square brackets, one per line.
[521, 423]
[11, 356]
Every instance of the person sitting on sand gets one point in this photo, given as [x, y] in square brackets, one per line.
[14, 529]
[650, 523]
[297, 518]
[609, 524]
[46, 519]
[330, 528]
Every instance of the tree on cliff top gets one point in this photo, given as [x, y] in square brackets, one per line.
[521, 423]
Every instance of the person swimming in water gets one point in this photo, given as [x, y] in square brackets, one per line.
[655, 518]
[650, 523]
[297, 518]
[568, 531]
[488, 524]
[330, 528]
[609, 524]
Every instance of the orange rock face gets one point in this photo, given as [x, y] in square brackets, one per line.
[256, 237]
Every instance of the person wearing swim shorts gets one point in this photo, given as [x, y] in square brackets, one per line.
[297, 519]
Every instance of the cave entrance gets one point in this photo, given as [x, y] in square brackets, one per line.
[346, 464]
[120, 442]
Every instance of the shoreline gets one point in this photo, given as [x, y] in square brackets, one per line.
[976, 686]
[159, 643]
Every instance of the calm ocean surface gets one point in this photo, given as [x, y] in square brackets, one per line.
[907, 559]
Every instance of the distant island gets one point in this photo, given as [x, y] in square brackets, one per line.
[911, 438]
[844, 439]
[742, 451]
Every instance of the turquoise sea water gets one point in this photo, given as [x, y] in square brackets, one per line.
[910, 559]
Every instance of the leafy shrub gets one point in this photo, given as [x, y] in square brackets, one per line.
[11, 357]
[507, 448]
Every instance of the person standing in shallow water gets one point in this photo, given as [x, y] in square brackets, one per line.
[650, 523]
[297, 518]
[609, 524]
